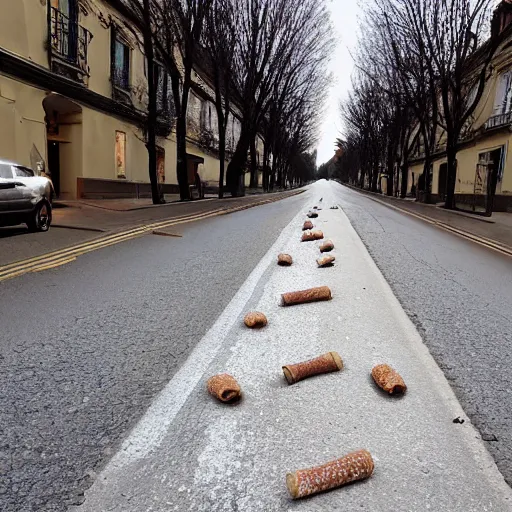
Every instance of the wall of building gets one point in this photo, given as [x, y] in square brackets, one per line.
[467, 160]
[23, 29]
[71, 158]
[99, 142]
[22, 126]
[98, 57]
[417, 171]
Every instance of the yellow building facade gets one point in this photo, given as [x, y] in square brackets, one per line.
[485, 154]
[73, 93]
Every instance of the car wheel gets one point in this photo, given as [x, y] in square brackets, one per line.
[41, 217]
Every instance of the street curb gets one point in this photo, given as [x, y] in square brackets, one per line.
[486, 242]
[144, 207]
[62, 256]
[460, 213]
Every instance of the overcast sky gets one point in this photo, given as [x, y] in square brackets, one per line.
[344, 18]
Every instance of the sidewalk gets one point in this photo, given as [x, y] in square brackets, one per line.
[496, 229]
[191, 453]
[109, 215]
[77, 223]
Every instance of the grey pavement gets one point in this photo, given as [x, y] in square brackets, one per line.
[497, 228]
[90, 351]
[81, 222]
[86, 347]
[459, 295]
[190, 453]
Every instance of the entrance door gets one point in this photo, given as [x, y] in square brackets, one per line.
[492, 181]
[54, 165]
[443, 177]
[486, 179]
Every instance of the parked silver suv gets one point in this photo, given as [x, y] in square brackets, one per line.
[24, 197]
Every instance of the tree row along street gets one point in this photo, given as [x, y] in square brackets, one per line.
[266, 61]
[104, 402]
[430, 103]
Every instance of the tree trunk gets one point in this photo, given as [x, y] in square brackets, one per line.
[254, 165]
[390, 169]
[181, 137]
[181, 164]
[222, 125]
[152, 113]
[405, 179]
[236, 167]
[361, 179]
[375, 176]
[390, 184]
[222, 161]
[451, 154]
[265, 167]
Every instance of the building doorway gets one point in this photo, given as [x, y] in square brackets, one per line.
[488, 170]
[54, 165]
[64, 144]
[442, 182]
[194, 180]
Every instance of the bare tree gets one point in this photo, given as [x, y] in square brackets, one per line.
[220, 43]
[270, 33]
[140, 17]
[429, 58]
[180, 28]
[454, 31]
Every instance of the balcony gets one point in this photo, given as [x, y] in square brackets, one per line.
[69, 44]
[498, 121]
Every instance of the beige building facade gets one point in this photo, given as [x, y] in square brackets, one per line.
[484, 159]
[73, 93]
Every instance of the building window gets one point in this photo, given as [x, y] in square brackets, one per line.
[121, 154]
[503, 99]
[69, 40]
[121, 66]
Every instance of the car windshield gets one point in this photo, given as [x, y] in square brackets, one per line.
[23, 172]
[5, 171]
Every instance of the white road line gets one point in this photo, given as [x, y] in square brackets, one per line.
[222, 459]
[151, 429]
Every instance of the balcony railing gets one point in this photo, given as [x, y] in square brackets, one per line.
[69, 40]
[499, 120]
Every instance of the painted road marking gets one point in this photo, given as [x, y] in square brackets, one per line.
[62, 256]
[151, 429]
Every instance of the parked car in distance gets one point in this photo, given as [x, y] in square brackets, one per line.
[24, 197]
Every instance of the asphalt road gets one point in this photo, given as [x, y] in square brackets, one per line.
[190, 453]
[459, 295]
[84, 348]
